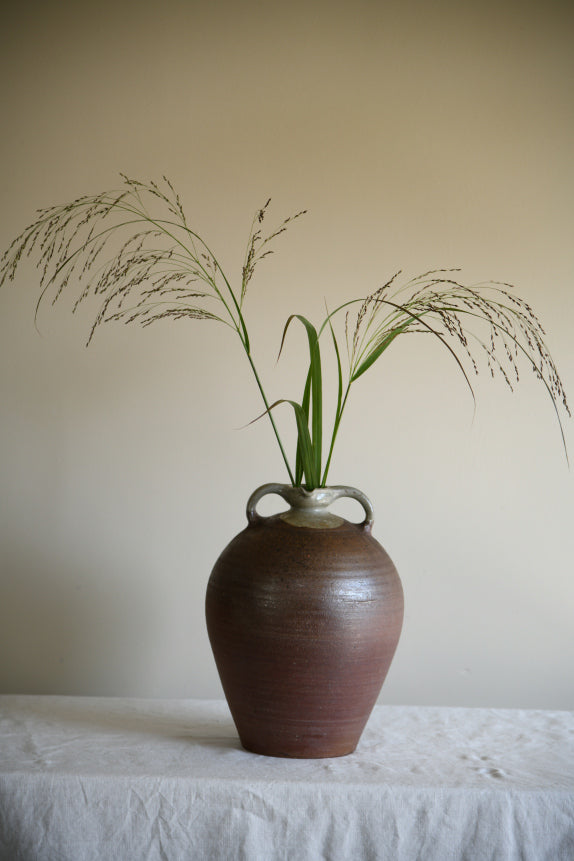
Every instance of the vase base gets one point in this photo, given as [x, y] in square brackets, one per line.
[315, 743]
[302, 752]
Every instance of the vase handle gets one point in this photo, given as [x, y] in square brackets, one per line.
[262, 491]
[311, 502]
[354, 493]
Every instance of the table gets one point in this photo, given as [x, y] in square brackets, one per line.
[129, 779]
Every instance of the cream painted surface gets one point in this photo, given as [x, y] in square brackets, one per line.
[418, 135]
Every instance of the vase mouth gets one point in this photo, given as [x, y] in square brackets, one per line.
[318, 498]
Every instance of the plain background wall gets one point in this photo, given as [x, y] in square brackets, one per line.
[418, 135]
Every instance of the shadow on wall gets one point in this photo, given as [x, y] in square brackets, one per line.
[64, 631]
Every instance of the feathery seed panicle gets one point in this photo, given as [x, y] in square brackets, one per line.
[133, 252]
[459, 311]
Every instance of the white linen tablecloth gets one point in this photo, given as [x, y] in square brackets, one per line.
[126, 779]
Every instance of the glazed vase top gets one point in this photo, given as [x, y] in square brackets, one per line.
[309, 508]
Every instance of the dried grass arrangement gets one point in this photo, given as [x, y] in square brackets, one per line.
[134, 249]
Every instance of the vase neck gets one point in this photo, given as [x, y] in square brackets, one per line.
[310, 507]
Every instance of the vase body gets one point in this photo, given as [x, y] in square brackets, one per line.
[304, 611]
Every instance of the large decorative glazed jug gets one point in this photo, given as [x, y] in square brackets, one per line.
[304, 611]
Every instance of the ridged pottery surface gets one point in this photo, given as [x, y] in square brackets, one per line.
[303, 621]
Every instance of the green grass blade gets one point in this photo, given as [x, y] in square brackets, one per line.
[340, 402]
[379, 349]
[306, 447]
[316, 391]
[305, 444]
[305, 404]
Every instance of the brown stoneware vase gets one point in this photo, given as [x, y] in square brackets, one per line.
[304, 611]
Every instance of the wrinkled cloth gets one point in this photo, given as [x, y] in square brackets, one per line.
[108, 778]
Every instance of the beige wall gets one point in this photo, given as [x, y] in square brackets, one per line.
[418, 135]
